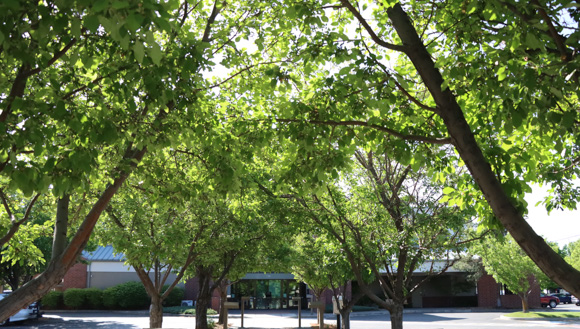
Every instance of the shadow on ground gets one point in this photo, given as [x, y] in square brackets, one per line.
[50, 322]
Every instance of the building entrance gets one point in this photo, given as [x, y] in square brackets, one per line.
[269, 294]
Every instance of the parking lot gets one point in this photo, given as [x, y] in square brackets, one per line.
[413, 319]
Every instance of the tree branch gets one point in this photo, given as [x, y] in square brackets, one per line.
[215, 11]
[417, 138]
[363, 22]
[53, 59]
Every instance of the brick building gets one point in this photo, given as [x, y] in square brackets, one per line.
[104, 268]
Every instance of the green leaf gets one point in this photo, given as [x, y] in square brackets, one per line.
[120, 4]
[134, 21]
[155, 53]
[139, 51]
[91, 23]
[448, 190]
[100, 5]
[533, 42]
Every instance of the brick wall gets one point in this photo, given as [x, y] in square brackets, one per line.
[76, 277]
[488, 294]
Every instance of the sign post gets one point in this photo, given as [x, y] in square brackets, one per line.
[299, 300]
[320, 305]
[227, 306]
[244, 299]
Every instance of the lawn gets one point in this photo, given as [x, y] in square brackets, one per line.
[544, 315]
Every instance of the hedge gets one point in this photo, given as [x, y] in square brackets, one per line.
[74, 298]
[94, 298]
[132, 295]
[175, 296]
[53, 300]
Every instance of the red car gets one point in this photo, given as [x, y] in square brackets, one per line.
[546, 300]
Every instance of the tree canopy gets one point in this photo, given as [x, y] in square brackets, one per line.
[88, 89]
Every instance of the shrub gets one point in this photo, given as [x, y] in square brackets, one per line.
[74, 298]
[111, 297]
[94, 298]
[211, 324]
[132, 295]
[53, 300]
[175, 296]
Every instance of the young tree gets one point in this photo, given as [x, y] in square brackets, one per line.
[508, 264]
[388, 220]
[159, 234]
[318, 261]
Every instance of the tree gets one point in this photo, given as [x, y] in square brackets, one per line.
[240, 233]
[492, 80]
[388, 220]
[87, 91]
[318, 261]
[157, 237]
[508, 264]
[27, 253]
[574, 254]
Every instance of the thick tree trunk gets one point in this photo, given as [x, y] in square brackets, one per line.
[463, 139]
[203, 299]
[396, 317]
[156, 312]
[59, 265]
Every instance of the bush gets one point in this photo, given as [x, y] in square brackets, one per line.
[74, 298]
[111, 297]
[132, 295]
[175, 296]
[53, 300]
[93, 298]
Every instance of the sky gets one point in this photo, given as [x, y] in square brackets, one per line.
[562, 227]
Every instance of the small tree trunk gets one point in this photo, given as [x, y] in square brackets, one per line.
[223, 289]
[156, 312]
[345, 317]
[525, 306]
[203, 299]
[397, 316]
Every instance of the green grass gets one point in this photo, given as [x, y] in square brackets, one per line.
[545, 315]
[185, 310]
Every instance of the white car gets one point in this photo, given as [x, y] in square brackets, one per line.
[29, 312]
[575, 300]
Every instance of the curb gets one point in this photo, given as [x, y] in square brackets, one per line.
[577, 319]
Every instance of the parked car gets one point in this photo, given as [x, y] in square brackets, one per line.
[547, 300]
[32, 311]
[564, 298]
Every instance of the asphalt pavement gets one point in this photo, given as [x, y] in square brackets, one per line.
[413, 319]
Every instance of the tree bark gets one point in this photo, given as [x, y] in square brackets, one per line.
[203, 299]
[156, 312]
[345, 317]
[60, 226]
[525, 305]
[223, 290]
[396, 313]
[504, 209]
